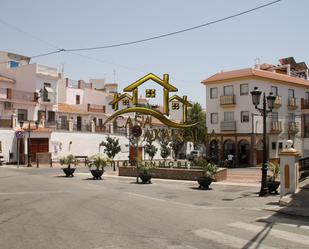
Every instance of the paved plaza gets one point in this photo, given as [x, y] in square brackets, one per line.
[42, 209]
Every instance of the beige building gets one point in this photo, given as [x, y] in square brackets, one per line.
[236, 127]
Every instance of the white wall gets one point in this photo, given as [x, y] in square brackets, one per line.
[7, 138]
[83, 144]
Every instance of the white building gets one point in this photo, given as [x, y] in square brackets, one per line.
[235, 126]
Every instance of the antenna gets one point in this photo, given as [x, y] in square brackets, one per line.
[257, 63]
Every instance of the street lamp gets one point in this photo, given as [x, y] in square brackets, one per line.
[29, 138]
[256, 95]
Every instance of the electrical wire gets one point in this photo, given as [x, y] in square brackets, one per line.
[158, 36]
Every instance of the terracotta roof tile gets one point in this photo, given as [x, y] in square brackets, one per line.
[249, 72]
[5, 79]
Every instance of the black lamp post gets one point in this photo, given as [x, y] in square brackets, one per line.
[256, 95]
[29, 138]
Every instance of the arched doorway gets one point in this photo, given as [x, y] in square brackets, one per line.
[228, 148]
[214, 150]
[244, 152]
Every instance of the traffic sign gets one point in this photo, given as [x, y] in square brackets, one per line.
[19, 134]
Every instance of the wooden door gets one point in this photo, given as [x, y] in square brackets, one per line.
[38, 145]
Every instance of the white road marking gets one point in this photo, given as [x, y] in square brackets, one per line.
[293, 237]
[228, 240]
[283, 221]
[34, 192]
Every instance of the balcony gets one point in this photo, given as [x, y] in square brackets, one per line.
[304, 104]
[278, 102]
[228, 101]
[96, 108]
[292, 103]
[276, 127]
[228, 125]
[5, 122]
[100, 128]
[293, 127]
[47, 71]
[12, 94]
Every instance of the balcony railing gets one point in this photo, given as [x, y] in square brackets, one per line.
[21, 95]
[278, 102]
[228, 125]
[81, 127]
[292, 103]
[45, 70]
[5, 122]
[96, 108]
[304, 103]
[227, 100]
[293, 127]
[276, 127]
[103, 129]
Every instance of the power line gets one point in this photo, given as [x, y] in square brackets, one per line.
[176, 32]
[158, 36]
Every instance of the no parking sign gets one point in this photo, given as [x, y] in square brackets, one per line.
[19, 134]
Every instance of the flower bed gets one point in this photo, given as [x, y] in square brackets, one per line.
[174, 173]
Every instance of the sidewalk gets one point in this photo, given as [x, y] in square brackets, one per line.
[298, 203]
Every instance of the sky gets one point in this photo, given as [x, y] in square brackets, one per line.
[38, 26]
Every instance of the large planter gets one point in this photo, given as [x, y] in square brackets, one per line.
[204, 182]
[145, 177]
[273, 186]
[68, 171]
[97, 174]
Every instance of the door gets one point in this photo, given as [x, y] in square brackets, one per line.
[79, 123]
[38, 145]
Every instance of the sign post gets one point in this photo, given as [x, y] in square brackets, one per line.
[19, 135]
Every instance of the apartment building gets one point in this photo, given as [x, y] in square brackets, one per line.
[236, 127]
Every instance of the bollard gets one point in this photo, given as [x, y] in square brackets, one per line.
[37, 163]
[51, 163]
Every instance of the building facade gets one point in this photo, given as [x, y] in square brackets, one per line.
[235, 126]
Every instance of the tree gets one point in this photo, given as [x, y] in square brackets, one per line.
[112, 148]
[197, 115]
[165, 149]
[150, 149]
[176, 145]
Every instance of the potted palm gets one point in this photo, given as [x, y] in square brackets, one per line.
[209, 171]
[272, 181]
[67, 160]
[145, 172]
[97, 165]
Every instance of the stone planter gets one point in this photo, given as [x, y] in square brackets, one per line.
[68, 171]
[204, 182]
[145, 177]
[97, 174]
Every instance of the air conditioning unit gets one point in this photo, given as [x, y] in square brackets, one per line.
[8, 106]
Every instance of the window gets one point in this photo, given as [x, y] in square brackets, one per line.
[13, 64]
[228, 116]
[307, 95]
[274, 90]
[273, 145]
[95, 120]
[244, 116]
[46, 90]
[100, 122]
[274, 116]
[228, 90]
[214, 118]
[244, 89]
[280, 145]
[292, 117]
[214, 92]
[306, 125]
[51, 116]
[77, 99]
[291, 93]
[22, 114]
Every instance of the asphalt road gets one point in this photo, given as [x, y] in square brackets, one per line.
[41, 209]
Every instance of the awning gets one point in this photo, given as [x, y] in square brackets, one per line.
[49, 89]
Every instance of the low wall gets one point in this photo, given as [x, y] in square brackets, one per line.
[174, 173]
